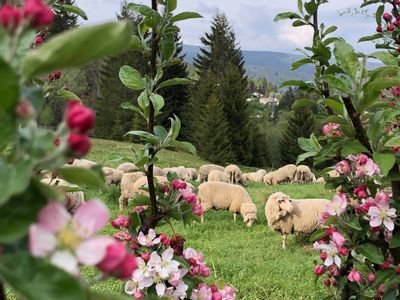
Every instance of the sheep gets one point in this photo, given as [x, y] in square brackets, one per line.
[221, 195]
[72, 199]
[261, 172]
[290, 171]
[83, 163]
[320, 180]
[127, 167]
[127, 182]
[333, 173]
[303, 174]
[216, 175]
[267, 178]
[205, 169]
[253, 176]
[276, 177]
[192, 172]
[112, 175]
[234, 173]
[142, 181]
[300, 216]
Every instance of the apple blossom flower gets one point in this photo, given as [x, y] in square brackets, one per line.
[68, 240]
[203, 292]
[361, 191]
[178, 184]
[198, 209]
[343, 167]
[337, 206]
[188, 195]
[354, 276]
[364, 165]
[338, 239]
[332, 129]
[332, 254]
[382, 214]
[164, 265]
[121, 221]
[148, 240]
[371, 277]
[382, 197]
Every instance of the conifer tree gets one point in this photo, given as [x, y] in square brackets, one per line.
[301, 123]
[214, 143]
[63, 20]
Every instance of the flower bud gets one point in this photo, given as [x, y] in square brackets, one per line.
[385, 265]
[379, 28]
[127, 267]
[326, 282]
[354, 276]
[38, 13]
[38, 40]
[24, 110]
[344, 251]
[79, 144]
[319, 270]
[387, 16]
[323, 256]
[390, 27]
[10, 16]
[79, 118]
[216, 296]
[177, 184]
[145, 256]
[197, 209]
[115, 254]
[371, 277]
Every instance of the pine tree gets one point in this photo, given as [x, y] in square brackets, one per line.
[213, 143]
[63, 20]
[301, 123]
[222, 58]
[176, 97]
[260, 154]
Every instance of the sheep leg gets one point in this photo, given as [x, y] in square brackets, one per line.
[122, 203]
[202, 219]
[234, 217]
[284, 239]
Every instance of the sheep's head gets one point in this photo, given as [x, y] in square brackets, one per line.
[279, 203]
[267, 179]
[249, 213]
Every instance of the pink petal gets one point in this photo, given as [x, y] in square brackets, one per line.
[375, 222]
[388, 224]
[66, 261]
[41, 241]
[92, 251]
[90, 217]
[53, 217]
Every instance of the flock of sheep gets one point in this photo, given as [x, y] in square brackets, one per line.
[220, 188]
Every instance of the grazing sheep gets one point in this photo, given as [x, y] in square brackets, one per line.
[127, 167]
[267, 179]
[261, 172]
[216, 175]
[142, 181]
[290, 171]
[205, 169]
[221, 195]
[234, 173]
[73, 199]
[83, 163]
[333, 174]
[192, 172]
[127, 182]
[320, 180]
[180, 171]
[303, 174]
[276, 177]
[289, 215]
[112, 175]
[253, 176]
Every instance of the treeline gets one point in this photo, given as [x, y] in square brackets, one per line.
[216, 116]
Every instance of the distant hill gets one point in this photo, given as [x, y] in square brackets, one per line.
[274, 66]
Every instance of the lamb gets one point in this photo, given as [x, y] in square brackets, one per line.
[234, 173]
[205, 169]
[303, 174]
[73, 199]
[112, 175]
[216, 175]
[221, 195]
[127, 182]
[127, 167]
[300, 216]
[83, 163]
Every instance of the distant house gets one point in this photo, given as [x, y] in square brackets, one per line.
[257, 95]
[269, 101]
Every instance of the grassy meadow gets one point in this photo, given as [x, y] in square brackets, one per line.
[250, 259]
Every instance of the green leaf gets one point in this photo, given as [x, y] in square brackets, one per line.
[379, 13]
[330, 30]
[168, 46]
[286, 15]
[142, 9]
[183, 262]
[340, 83]
[395, 241]
[300, 6]
[303, 103]
[372, 253]
[75, 10]
[353, 147]
[160, 132]
[301, 62]
[386, 57]
[8, 130]
[345, 56]
[131, 78]
[20, 212]
[68, 95]
[369, 2]
[136, 43]
[299, 23]
[304, 156]
[175, 81]
[171, 5]
[139, 200]
[371, 37]
[37, 279]
[385, 162]
[184, 146]
[393, 142]
[185, 16]
[335, 105]
[382, 83]
[311, 7]
[318, 234]
[158, 101]
[9, 87]
[81, 176]
[77, 47]
[354, 223]
[145, 136]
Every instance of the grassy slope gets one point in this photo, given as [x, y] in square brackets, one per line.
[251, 259]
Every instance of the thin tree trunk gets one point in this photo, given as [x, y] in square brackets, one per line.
[2, 292]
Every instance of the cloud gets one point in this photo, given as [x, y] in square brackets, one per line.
[297, 37]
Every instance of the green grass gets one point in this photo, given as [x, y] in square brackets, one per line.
[250, 259]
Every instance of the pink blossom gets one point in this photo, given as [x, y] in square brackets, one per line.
[178, 184]
[198, 209]
[120, 221]
[382, 198]
[371, 277]
[203, 292]
[337, 206]
[382, 214]
[332, 129]
[361, 191]
[145, 256]
[188, 195]
[140, 208]
[68, 241]
[216, 296]
[343, 167]
[148, 240]
[354, 276]
[338, 239]
[343, 251]
[319, 270]
[365, 166]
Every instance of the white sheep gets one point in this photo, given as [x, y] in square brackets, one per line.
[127, 167]
[127, 182]
[205, 169]
[234, 173]
[320, 180]
[83, 163]
[142, 182]
[277, 177]
[300, 216]
[221, 195]
[72, 199]
[192, 172]
[261, 172]
[112, 175]
[216, 175]
[253, 176]
[303, 174]
[290, 171]
[333, 174]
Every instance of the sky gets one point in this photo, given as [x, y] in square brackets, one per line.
[252, 21]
